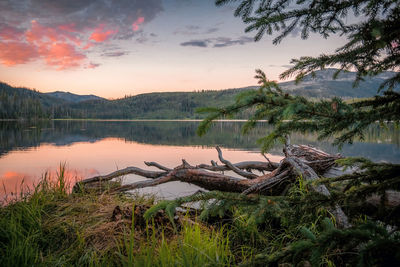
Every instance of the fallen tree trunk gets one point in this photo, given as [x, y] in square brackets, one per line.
[247, 165]
[304, 161]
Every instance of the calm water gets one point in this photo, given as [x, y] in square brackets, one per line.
[91, 148]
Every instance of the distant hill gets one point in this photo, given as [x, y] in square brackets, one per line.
[170, 105]
[324, 86]
[20, 102]
[23, 102]
[74, 98]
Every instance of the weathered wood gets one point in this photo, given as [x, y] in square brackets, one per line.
[318, 160]
[246, 174]
[252, 165]
[142, 184]
[119, 173]
[157, 165]
[308, 174]
[205, 179]
[303, 161]
[268, 183]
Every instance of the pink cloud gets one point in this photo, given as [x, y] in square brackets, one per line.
[63, 56]
[101, 35]
[40, 34]
[58, 46]
[88, 45]
[37, 33]
[136, 23]
[61, 47]
[13, 53]
[68, 27]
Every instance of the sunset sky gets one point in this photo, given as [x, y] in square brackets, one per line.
[113, 48]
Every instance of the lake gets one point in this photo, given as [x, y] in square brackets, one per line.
[90, 148]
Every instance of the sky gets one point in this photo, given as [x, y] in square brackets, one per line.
[117, 48]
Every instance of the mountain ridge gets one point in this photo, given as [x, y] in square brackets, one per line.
[74, 98]
[23, 102]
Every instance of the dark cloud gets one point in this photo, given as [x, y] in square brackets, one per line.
[62, 7]
[212, 30]
[198, 43]
[188, 30]
[195, 30]
[219, 42]
[142, 39]
[224, 42]
[193, 27]
[92, 65]
[115, 54]
[83, 14]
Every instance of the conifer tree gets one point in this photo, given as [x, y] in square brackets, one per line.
[373, 47]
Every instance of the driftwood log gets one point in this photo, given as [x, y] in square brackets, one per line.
[267, 178]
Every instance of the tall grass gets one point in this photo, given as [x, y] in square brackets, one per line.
[22, 234]
[193, 245]
[50, 227]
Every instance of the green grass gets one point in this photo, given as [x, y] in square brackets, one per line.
[49, 227]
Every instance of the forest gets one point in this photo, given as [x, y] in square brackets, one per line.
[24, 103]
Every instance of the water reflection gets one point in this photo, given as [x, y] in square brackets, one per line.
[379, 144]
[107, 155]
[97, 147]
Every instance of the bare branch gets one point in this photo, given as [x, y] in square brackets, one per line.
[157, 165]
[246, 174]
[253, 165]
[128, 170]
[272, 164]
[142, 184]
[268, 183]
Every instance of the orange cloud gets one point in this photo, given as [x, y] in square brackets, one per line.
[13, 53]
[101, 35]
[39, 34]
[136, 23]
[56, 45]
[62, 46]
[68, 27]
[62, 55]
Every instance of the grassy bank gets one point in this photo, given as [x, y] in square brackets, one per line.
[52, 227]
